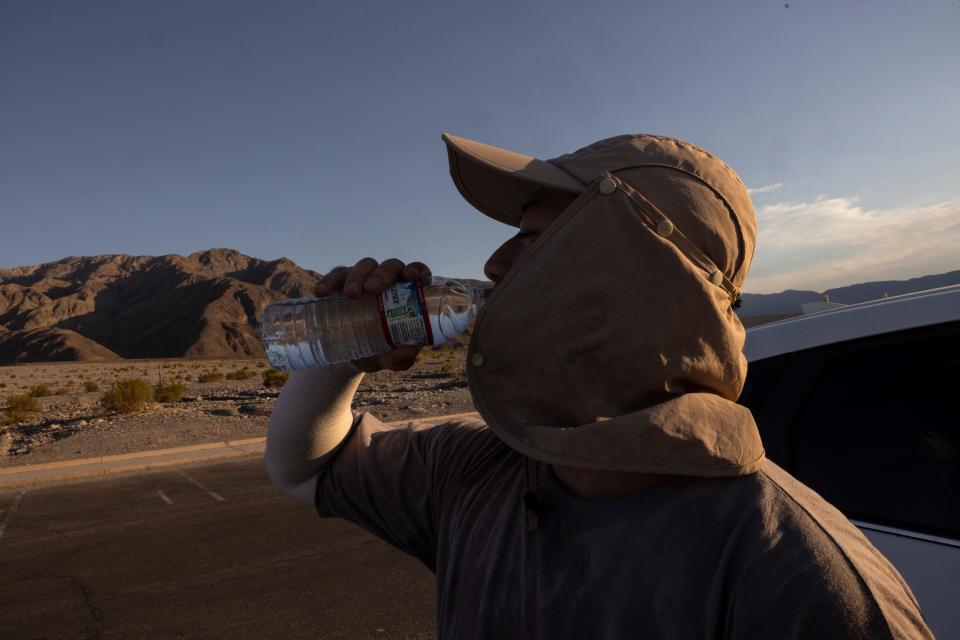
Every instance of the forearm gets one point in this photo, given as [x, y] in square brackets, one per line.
[311, 417]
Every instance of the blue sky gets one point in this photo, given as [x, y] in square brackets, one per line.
[312, 129]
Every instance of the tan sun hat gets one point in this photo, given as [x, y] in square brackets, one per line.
[499, 182]
[700, 194]
[612, 343]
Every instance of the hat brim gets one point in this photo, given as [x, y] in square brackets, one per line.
[499, 182]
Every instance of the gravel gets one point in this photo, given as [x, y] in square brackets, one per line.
[73, 425]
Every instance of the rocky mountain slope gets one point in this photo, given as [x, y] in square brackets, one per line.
[208, 305]
[108, 307]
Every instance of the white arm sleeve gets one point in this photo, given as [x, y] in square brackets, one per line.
[311, 417]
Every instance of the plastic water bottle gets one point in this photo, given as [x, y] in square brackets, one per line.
[315, 332]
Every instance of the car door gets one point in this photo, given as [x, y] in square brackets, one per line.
[873, 425]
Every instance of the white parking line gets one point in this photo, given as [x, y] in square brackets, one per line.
[215, 496]
[13, 509]
[164, 497]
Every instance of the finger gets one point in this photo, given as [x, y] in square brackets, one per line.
[415, 271]
[332, 281]
[370, 364]
[383, 276]
[353, 287]
[401, 358]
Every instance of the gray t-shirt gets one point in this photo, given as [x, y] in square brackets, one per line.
[758, 556]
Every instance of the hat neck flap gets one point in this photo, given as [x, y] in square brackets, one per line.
[612, 344]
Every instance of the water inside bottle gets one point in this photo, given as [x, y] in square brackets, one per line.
[310, 332]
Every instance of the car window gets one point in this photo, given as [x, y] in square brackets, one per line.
[878, 435]
[761, 377]
[774, 389]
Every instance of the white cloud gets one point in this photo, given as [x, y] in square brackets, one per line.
[833, 242]
[767, 189]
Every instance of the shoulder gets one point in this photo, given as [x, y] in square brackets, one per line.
[466, 445]
[457, 436]
[805, 549]
[369, 426]
[770, 504]
[790, 511]
[473, 447]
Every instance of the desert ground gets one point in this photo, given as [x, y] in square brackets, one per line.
[72, 423]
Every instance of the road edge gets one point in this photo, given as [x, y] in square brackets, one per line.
[103, 466]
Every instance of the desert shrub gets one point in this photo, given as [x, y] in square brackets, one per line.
[240, 374]
[39, 391]
[273, 379]
[19, 408]
[170, 392]
[261, 365]
[3, 385]
[447, 368]
[210, 376]
[127, 396]
[90, 385]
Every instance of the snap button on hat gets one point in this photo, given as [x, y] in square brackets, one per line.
[716, 278]
[665, 228]
[477, 359]
[607, 186]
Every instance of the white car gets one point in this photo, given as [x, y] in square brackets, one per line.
[862, 404]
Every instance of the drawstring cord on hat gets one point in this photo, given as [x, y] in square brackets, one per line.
[531, 499]
[660, 224]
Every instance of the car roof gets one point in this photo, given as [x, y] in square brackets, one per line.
[874, 317]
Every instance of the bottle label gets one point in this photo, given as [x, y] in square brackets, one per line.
[403, 315]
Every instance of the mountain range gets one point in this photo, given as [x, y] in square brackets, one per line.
[208, 305]
[110, 307]
[759, 307]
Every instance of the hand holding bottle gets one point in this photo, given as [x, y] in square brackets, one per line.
[368, 277]
[377, 316]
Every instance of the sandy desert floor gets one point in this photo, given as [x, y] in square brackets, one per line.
[72, 424]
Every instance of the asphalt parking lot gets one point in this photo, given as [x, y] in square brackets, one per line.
[202, 551]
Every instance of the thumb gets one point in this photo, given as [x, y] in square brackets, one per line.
[402, 358]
